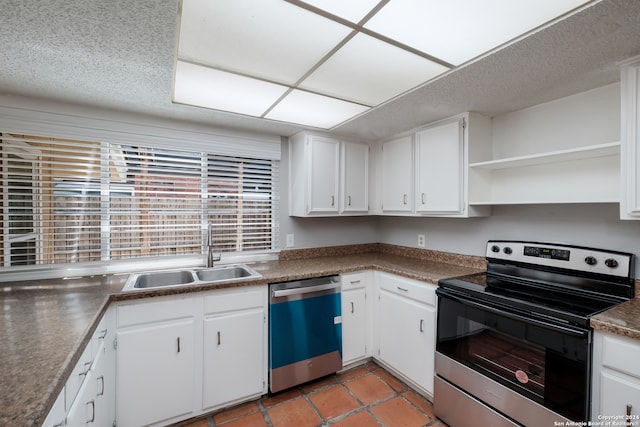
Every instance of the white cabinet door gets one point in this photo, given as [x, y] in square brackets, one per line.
[439, 172]
[397, 175]
[155, 376]
[323, 164]
[619, 394]
[354, 178]
[354, 325]
[83, 409]
[630, 141]
[406, 337]
[234, 357]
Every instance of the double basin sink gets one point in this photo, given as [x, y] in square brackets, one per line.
[186, 277]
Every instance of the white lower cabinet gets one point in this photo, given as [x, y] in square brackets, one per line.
[88, 397]
[616, 378]
[405, 315]
[156, 372]
[181, 356]
[235, 353]
[356, 317]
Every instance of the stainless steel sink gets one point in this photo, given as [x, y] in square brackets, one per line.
[230, 272]
[163, 278]
[172, 278]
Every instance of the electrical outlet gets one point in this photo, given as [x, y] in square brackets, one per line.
[290, 243]
[421, 240]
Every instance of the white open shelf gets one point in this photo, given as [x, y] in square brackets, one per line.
[589, 174]
[600, 150]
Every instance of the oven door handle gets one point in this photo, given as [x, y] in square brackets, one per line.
[547, 325]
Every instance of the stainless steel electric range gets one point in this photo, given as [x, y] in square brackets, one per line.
[514, 344]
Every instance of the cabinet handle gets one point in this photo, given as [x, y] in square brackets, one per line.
[219, 340]
[93, 411]
[101, 379]
[178, 344]
[87, 366]
[404, 198]
[421, 325]
[354, 282]
[403, 289]
[348, 200]
[628, 415]
[60, 424]
[423, 199]
[352, 308]
[333, 200]
[103, 334]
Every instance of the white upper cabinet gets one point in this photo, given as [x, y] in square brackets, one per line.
[327, 177]
[424, 172]
[630, 149]
[354, 178]
[397, 175]
[439, 173]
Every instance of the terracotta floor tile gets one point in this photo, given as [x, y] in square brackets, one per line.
[397, 412]
[236, 412]
[369, 388]
[354, 372]
[296, 413]
[322, 382]
[253, 420]
[334, 401]
[280, 397]
[360, 419]
[423, 404]
[391, 381]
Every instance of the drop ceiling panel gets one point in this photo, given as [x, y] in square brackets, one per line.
[370, 71]
[314, 110]
[268, 39]
[209, 88]
[459, 30]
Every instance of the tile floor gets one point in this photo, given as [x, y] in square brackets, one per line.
[364, 396]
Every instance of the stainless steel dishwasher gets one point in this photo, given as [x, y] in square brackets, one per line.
[305, 331]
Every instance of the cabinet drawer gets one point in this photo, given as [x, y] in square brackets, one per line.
[232, 299]
[152, 310]
[77, 377]
[354, 280]
[621, 354]
[414, 289]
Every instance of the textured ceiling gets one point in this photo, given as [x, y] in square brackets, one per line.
[120, 54]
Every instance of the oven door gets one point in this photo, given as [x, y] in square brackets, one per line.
[545, 362]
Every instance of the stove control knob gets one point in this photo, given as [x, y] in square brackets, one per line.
[611, 263]
[507, 250]
[495, 248]
[591, 260]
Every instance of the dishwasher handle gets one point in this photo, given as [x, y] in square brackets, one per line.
[305, 289]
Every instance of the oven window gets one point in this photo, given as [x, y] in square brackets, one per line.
[547, 366]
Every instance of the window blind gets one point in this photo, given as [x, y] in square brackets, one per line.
[67, 201]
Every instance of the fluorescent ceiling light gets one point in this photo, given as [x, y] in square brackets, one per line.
[268, 39]
[294, 61]
[209, 88]
[309, 109]
[370, 71]
[459, 30]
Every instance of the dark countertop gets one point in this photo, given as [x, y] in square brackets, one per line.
[46, 323]
[623, 319]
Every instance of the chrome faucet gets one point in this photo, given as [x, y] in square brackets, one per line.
[210, 258]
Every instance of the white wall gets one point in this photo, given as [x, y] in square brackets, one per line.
[595, 225]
